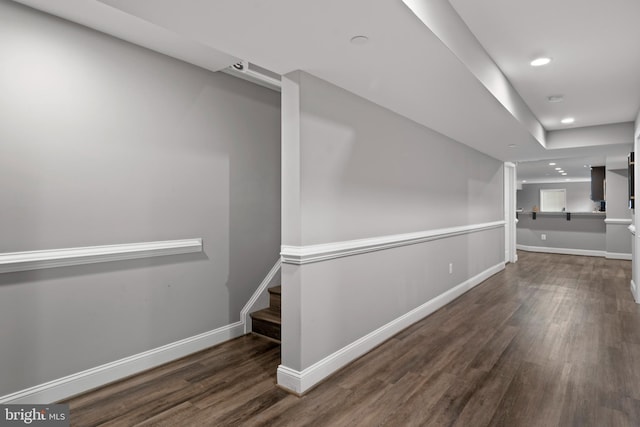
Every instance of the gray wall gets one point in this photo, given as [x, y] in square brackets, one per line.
[352, 170]
[618, 235]
[102, 143]
[634, 246]
[582, 232]
[578, 196]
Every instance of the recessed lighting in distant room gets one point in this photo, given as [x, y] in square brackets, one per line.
[552, 164]
[359, 40]
[539, 62]
[564, 173]
[558, 168]
[512, 145]
[524, 180]
[567, 179]
[555, 98]
[567, 120]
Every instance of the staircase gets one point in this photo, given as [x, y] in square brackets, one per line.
[266, 323]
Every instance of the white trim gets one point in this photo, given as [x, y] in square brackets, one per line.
[563, 251]
[553, 181]
[301, 381]
[80, 382]
[634, 292]
[33, 260]
[620, 221]
[89, 379]
[617, 255]
[632, 229]
[313, 253]
[249, 307]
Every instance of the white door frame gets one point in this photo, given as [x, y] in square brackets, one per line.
[510, 254]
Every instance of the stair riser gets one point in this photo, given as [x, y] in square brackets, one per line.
[275, 301]
[269, 329]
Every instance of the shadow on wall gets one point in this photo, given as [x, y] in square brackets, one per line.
[254, 196]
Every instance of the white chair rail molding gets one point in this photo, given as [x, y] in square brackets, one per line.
[314, 253]
[50, 258]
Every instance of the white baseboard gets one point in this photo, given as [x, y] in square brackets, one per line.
[301, 381]
[250, 306]
[89, 379]
[563, 251]
[80, 382]
[634, 292]
[617, 255]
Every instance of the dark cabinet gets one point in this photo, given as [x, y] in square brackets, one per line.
[597, 183]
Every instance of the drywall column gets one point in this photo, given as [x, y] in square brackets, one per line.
[618, 239]
[384, 221]
[291, 221]
[634, 247]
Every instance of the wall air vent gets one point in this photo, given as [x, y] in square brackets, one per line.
[255, 74]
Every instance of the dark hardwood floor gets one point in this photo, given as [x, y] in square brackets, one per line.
[554, 340]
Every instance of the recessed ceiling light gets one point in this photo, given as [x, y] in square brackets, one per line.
[558, 168]
[561, 171]
[359, 40]
[567, 179]
[552, 164]
[567, 120]
[555, 98]
[539, 62]
[524, 180]
[564, 173]
[512, 145]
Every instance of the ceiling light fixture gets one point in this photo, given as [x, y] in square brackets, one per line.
[564, 173]
[552, 164]
[512, 145]
[359, 40]
[558, 168]
[539, 62]
[567, 120]
[524, 180]
[555, 98]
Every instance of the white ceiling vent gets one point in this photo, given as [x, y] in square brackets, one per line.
[255, 74]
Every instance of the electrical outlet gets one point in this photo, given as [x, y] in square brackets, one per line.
[543, 236]
[450, 268]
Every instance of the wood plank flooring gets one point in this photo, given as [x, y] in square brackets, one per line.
[554, 340]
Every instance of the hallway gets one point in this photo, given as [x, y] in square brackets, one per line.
[553, 340]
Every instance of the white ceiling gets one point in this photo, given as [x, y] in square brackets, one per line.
[577, 168]
[418, 71]
[594, 46]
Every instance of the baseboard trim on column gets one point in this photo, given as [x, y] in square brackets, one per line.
[300, 382]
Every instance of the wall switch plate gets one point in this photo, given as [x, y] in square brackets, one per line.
[543, 236]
